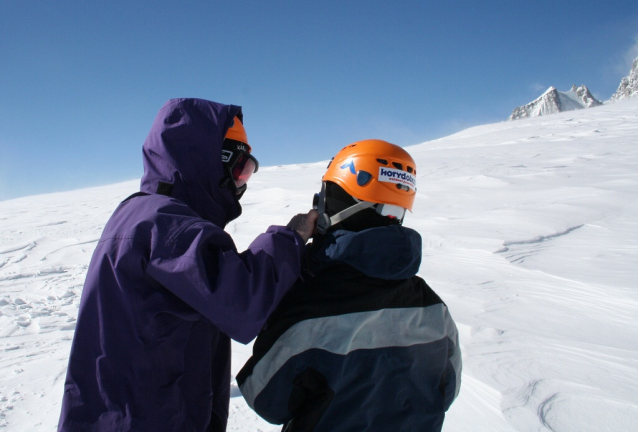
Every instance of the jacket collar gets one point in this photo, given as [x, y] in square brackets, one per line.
[392, 252]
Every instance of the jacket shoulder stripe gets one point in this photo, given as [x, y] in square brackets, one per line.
[343, 334]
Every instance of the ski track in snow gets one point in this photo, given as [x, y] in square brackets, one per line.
[530, 235]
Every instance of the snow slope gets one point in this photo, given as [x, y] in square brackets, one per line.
[530, 233]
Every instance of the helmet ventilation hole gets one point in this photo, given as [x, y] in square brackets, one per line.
[363, 178]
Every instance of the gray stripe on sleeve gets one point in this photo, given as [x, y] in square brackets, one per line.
[342, 334]
[453, 334]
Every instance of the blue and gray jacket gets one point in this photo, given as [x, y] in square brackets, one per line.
[359, 343]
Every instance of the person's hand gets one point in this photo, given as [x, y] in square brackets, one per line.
[304, 224]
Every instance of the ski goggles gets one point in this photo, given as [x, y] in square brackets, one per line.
[240, 164]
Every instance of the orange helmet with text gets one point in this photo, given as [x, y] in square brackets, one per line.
[375, 171]
[237, 132]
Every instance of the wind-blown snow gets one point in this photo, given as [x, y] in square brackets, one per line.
[530, 232]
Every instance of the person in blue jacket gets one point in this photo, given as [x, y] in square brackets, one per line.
[166, 288]
[360, 343]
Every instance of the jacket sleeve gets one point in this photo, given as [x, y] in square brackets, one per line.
[280, 386]
[454, 366]
[236, 291]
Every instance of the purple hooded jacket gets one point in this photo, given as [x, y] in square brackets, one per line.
[166, 289]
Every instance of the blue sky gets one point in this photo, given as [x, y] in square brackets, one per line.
[80, 82]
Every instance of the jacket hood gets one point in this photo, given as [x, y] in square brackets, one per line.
[182, 157]
[391, 252]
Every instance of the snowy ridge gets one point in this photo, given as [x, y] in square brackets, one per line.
[529, 235]
[628, 87]
[554, 101]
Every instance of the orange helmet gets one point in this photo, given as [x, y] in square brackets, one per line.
[375, 171]
[237, 132]
[376, 174]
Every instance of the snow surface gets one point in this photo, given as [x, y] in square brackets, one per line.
[530, 235]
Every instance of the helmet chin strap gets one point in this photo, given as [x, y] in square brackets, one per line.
[324, 222]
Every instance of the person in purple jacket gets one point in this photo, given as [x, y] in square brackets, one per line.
[166, 288]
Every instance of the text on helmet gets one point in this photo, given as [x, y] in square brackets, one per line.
[392, 175]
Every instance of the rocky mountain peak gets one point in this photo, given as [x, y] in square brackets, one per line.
[628, 87]
[554, 101]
